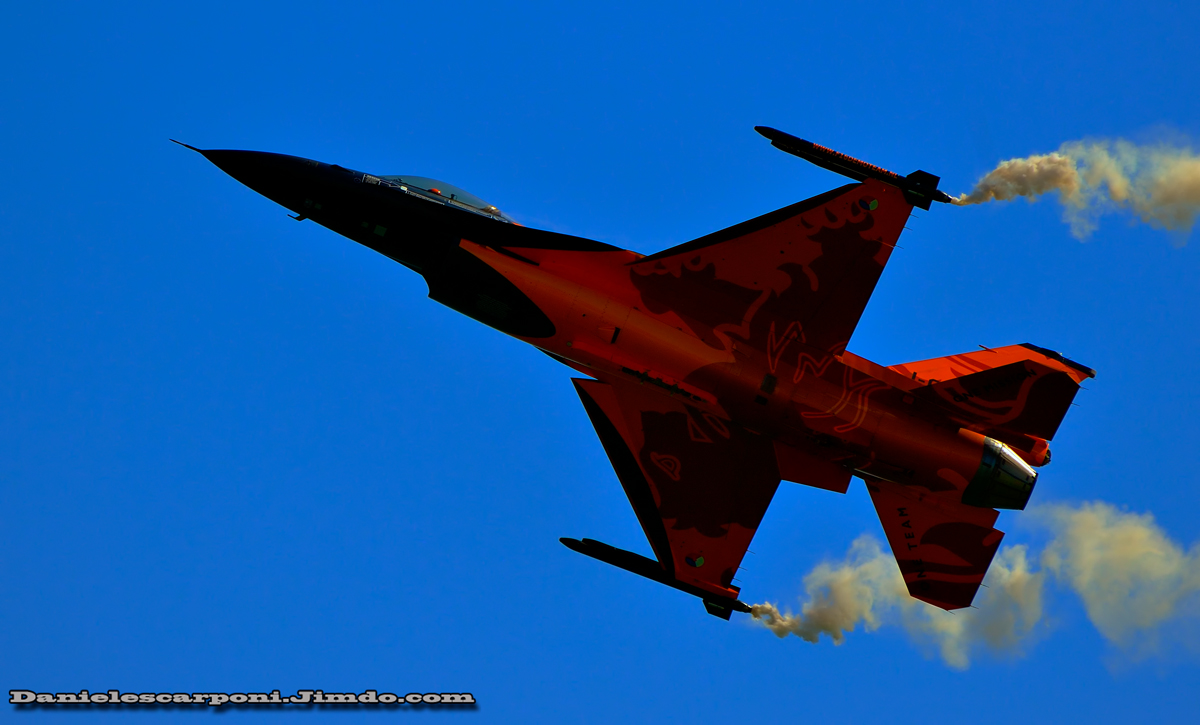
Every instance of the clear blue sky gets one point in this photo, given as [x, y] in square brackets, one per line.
[241, 453]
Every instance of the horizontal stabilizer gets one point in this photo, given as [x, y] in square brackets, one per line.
[1018, 394]
[1021, 398]
[987, 358]
[943, 549]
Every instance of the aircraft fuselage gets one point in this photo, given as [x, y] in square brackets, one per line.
[692, 328]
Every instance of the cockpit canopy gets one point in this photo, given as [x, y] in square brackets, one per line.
[448, 192]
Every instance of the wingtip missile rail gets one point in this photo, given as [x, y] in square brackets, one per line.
[717, 606]
[919, 187]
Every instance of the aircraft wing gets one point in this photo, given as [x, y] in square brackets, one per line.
[698, 484]
[943, 548]
[804, 272]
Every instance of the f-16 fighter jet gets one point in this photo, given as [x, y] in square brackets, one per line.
[717, 368]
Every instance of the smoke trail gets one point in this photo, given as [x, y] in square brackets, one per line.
[1008, 613]
[841, 596]
[866, 588]
[1131, 577]
[1159, 184]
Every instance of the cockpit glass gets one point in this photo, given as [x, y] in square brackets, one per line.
[447, 191]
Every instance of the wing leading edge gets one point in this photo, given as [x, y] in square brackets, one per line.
[805, 271]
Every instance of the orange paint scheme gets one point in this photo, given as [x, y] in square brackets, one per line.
[719, 368]
[750, 326]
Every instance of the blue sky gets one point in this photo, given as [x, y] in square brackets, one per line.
[241, 453]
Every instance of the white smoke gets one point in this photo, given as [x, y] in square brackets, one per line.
[1131, 577]
[866, 589]
[1159, 184]
[841, 596]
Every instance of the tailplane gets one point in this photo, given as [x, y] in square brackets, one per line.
[943, 549]
[1017, 394]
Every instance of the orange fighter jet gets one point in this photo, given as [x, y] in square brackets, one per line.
[719, 367]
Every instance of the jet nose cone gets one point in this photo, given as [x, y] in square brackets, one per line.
[257, 169]
[286, 180]
[291, 181]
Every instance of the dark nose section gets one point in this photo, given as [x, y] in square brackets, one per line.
[278, 177]
[286, 180]
[254, 168]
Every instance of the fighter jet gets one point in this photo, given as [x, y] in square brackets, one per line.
[717, 368]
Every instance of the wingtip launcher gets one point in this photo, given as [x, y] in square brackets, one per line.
[715, 605]
[919, 187]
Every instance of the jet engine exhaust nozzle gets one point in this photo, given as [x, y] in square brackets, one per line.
[1003, 480]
